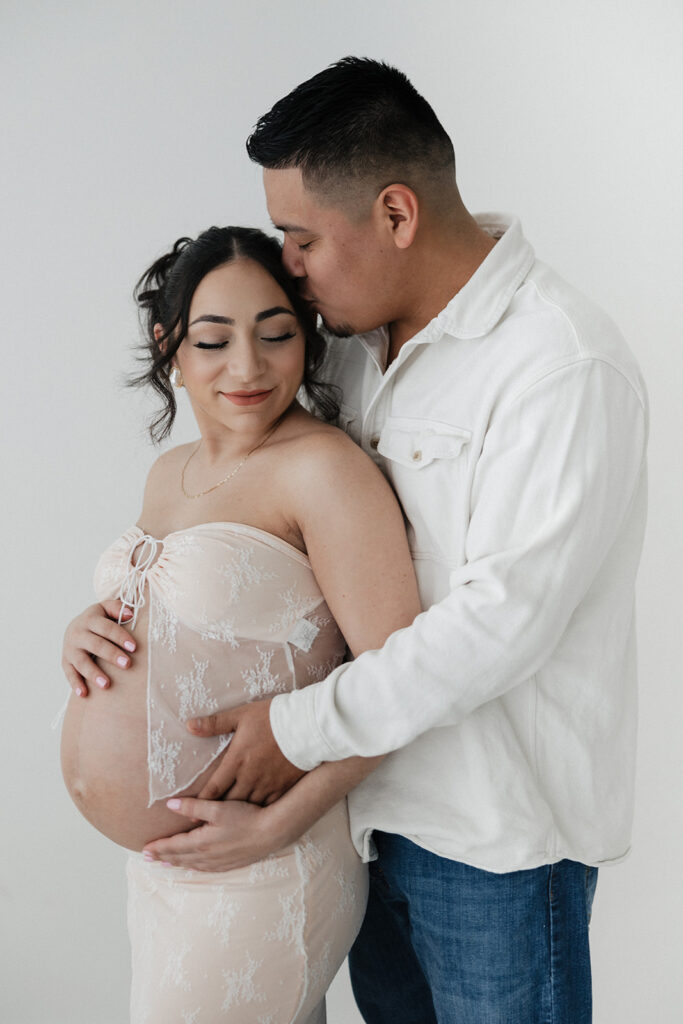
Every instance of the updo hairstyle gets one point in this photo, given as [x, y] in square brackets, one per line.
[164, 295]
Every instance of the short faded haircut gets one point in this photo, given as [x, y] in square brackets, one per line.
[353, 129]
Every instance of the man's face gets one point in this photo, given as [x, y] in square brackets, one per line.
[342, 265]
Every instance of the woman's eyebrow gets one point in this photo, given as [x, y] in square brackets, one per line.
[273, 311]
[212, 318]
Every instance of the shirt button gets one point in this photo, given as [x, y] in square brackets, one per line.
[374, 441]
[417, 456]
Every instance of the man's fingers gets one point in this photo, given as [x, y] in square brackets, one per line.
[218, 783]
[213, 725]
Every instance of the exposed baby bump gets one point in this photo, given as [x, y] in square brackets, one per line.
[104, 762]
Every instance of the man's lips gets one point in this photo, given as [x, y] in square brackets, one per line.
[246, 397]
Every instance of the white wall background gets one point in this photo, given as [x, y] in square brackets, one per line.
[122, 128]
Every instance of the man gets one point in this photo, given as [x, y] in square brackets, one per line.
[511, 420]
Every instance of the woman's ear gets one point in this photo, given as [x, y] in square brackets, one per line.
[158, 335]
[400, 208]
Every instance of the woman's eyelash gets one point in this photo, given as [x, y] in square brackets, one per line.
[222, 344]
[306, 245]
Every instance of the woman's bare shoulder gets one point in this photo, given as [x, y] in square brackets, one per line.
[318, 445]
[165, 470]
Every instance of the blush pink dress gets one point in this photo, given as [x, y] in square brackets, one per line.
[235, 614]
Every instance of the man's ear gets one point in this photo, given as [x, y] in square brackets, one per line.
[400, 208]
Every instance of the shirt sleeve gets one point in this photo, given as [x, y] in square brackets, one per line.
[561, 467]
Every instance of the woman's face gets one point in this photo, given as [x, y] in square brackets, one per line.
[243, 358]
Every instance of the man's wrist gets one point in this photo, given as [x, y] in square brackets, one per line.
[294, 728]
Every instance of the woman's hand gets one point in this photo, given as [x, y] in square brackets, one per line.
[232, 835]
[95, 633]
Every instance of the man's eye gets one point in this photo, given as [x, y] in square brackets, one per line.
[212, 345]
[280, 337]
[306, 245]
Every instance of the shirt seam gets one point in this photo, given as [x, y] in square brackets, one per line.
[566, 364]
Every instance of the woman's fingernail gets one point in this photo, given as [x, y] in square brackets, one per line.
[147, 855]
[129, 645]
[122, 661]
[79, 691]
[101, 681]
[173, 804]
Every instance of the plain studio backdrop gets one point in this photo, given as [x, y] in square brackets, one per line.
[123, 128]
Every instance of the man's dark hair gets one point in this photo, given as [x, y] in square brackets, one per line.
[358, 120]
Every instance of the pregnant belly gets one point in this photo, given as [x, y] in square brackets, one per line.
[104, 758]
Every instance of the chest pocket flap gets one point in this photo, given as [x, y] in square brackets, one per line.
[417, 443]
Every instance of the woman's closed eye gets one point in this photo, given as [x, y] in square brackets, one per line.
[280, 337]
[210, 344]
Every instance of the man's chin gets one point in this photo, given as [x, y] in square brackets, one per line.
[337, 330]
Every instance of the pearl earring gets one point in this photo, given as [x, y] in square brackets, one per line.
[176, 378]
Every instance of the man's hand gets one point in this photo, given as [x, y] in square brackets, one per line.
[95, 633]
[232, 835]
[253, 767]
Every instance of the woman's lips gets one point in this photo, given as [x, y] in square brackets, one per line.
[246, 397]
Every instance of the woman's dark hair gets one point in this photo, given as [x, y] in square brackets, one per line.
[164, 294]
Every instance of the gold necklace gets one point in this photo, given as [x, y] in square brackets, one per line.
[232, 471]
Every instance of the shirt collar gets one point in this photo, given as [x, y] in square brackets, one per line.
[479, 305]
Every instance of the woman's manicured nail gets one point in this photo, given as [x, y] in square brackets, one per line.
[173, 804]
[101, 682]
[79, 691]
[147, 855]
[122, 661]
[129, 645]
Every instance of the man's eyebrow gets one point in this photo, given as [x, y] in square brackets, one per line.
[291, 229]
[273, 311]
[212, 318]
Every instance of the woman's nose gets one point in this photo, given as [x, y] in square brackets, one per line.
[245, 361]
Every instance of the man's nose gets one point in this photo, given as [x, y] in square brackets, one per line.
[291, 258]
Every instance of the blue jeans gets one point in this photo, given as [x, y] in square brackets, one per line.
[444, 943]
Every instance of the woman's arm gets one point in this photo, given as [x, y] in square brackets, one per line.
[355, 538]
[234, 833]
[95, 633]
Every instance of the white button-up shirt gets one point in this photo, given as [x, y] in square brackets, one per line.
[513, 429]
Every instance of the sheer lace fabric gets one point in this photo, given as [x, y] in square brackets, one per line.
[235, 614]
[258, 945]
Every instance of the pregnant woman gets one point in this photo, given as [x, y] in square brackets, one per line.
[261, 553]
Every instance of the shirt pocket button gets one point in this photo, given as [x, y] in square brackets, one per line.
[417, 456]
